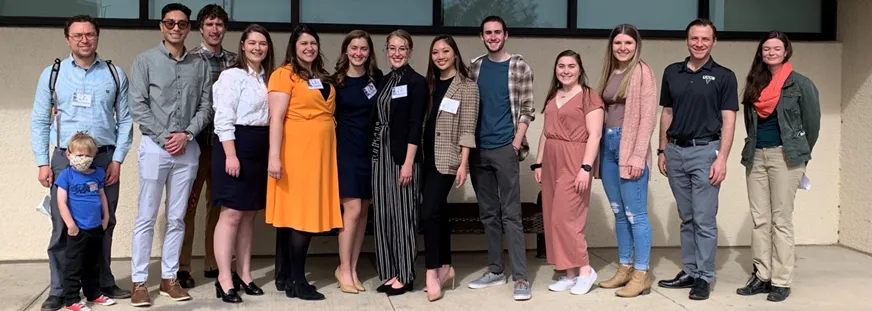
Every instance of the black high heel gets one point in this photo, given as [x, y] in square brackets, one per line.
[250, 288]
[230, 296]
[301, 289]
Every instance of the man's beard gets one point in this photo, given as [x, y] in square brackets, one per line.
[500, 48]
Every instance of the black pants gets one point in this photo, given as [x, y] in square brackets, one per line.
[437, 231]
[84, 254]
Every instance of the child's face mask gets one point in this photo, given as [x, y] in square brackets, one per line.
[80, 163]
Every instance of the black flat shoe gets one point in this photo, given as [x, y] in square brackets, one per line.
[778, 294]
[700, 290]
[185, 279]
[398, 291]
[280, 284]
[755, 286]
[52, 303]
[382, 288]
[229, 297]
[681, 280]
[249, 289]
[302, 290]
[115, 292]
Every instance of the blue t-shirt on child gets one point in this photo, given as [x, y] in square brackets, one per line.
[83, 196]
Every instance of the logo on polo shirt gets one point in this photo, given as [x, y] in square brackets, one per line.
[708, 78]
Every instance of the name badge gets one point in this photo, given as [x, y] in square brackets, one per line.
[369, 90]
[399, 92]
[315, 84]
[81, 100]
[449, 105]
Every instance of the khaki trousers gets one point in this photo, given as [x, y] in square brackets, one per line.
[772, 188]
[204, 176]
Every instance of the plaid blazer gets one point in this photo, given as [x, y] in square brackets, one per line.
[454, 131]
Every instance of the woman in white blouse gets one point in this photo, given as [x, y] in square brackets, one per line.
[242, 126]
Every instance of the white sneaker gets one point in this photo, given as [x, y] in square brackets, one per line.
[583, 285]
[562, 284]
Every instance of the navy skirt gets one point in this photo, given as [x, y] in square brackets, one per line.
[248, 191]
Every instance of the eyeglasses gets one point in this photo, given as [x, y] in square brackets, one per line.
[80, 36]
[395, 50]
[170, 24]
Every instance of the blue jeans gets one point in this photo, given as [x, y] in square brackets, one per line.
[629, 202]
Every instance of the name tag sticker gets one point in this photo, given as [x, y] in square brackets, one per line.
[315, 84]
[369, 90]
[449, 105]
[399, 92]
[81, 100]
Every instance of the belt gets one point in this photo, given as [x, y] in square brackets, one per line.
[694, 141]
[100, 149]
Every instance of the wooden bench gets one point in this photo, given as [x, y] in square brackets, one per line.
[464, 219]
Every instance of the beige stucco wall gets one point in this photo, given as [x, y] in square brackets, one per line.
[855, 229]
[26, 52]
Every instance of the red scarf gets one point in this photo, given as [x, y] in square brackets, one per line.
[770, 95]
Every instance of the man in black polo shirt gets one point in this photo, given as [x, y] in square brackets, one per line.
[700, 100]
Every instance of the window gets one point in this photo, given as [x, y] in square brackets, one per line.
[367, 12]
[67, 8]
[644, 14]
[754, 15]
[278, 11]
[516, 13]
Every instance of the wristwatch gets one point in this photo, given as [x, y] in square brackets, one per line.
[533, 167]
[660, 151]
[586, 167]
[189, 135]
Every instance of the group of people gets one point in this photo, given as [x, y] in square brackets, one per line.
[315, 149]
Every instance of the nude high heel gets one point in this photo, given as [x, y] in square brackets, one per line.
[349, 289]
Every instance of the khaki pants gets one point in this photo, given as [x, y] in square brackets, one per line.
[772, 188]
[204, 176]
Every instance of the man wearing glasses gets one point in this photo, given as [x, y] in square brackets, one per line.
[83, 94]
[171, 99]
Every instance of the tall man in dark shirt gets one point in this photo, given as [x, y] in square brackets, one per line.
[700, 100]
[171, 99]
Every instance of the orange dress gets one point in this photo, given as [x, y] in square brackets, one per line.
[564, 211]
[306, 198]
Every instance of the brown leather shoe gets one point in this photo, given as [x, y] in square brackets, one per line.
[640, 284]
[621, 278]
[140, 297]
[172, 289]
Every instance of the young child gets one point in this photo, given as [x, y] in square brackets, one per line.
[85, 211]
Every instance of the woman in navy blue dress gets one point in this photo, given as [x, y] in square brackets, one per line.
[356, 77]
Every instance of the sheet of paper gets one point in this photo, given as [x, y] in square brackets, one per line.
[44, 206]
[804, 183]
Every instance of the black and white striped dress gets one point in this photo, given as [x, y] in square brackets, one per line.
[395, 207]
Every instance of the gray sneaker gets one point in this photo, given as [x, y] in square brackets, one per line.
[488, 279]
[522, 290]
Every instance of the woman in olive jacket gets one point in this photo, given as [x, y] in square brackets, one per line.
[782, 118]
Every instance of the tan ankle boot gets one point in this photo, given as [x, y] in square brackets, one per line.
[621, 278]
[640, 284]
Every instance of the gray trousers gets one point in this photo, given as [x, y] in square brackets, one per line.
[159, 171]
[496, 180]
[57, 258]
[688, 170]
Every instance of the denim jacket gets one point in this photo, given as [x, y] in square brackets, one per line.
[799, 118]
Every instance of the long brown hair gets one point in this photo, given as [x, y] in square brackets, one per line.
[555, 83]
[612, 63]
[268, 64]
[342, 64]
[317, 71]
[433, 71]
[759, 75]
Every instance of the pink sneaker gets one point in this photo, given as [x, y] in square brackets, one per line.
[103, 301]
[79, 306]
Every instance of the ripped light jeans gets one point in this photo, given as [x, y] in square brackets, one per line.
[629, 202]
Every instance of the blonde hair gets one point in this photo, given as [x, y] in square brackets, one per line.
[82, 142]
[612, 63]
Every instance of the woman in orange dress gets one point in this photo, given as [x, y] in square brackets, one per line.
[303, 191]
[567, 149]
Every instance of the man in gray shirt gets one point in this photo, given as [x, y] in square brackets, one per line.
[170, 98]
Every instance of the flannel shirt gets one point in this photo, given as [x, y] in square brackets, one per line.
[217, 63]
